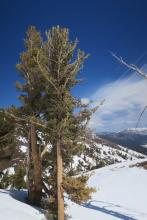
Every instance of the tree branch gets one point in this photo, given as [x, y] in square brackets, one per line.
[43, 72]
[44, 151]
[141, 116]
[130, 66]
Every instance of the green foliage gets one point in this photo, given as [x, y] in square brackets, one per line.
[59, 63]
[5, 180]
[18, 178]
[7, 140]
[31, 88]
[101, 163]
[77, 189]
[7, 128]
[13, 181]
[49, 70]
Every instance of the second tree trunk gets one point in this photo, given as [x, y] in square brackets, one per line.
[35, 172]
[60, 198]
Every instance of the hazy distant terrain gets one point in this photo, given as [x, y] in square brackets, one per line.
[135, 139]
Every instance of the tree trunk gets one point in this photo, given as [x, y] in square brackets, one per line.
[29, 170]
[35, 185]
[60, 198]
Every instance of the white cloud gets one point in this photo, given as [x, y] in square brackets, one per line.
[125, 99]
[84, 101]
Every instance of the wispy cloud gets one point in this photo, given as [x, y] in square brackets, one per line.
[125, 99]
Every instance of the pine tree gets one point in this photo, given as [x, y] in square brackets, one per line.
[49, 72]
[59, 65]
[32, 104]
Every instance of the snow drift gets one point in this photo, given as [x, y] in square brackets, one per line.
[121, 194]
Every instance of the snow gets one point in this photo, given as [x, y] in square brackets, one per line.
[22, 139]
[108, 154]
[13, 209]
[10, 170]
[121, 194]
[23, 148]
[142, 131]
[144, 145]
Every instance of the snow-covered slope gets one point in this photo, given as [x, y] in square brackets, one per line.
[96, 154]
[100, 153]
[121, 194]
[13, 209]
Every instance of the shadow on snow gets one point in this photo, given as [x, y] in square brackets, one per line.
[21, 195]
[107, 211]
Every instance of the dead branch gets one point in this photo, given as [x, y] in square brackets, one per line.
[96, 108]
[27, 120]
[44, 151]
[6, 136]
[130, 66]
[44, 72]
[141, 116]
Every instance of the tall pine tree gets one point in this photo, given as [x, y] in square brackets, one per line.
[32, 104]
[59, 64]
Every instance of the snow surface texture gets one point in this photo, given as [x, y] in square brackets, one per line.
[13, 209]
[121, 194]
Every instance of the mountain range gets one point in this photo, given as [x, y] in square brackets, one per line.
[132, 138]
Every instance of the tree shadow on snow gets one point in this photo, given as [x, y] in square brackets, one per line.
[21, 195]
[107, 211]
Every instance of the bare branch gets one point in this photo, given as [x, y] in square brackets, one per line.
[77, 66]
[6, 136]
[141, 116]
[96, 108]
[130, 66]
[43, 71]
[37, 122]
[44, 151]
[18, 119]
[27, 120]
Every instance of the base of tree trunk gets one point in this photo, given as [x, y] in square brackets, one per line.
[34, 197]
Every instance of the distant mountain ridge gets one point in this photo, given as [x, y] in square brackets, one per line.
[132, 138]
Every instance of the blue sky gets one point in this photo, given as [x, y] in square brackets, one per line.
[101, 26]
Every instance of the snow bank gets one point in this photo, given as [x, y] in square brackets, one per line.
[121, 194]
[13, 209]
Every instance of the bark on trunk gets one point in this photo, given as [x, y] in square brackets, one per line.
[29, 169]
[35, 171]
[60, 198]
